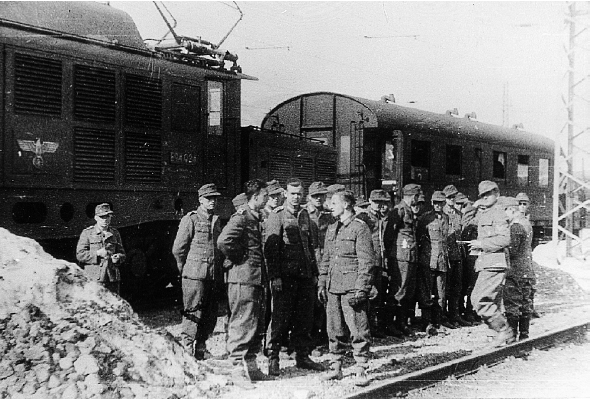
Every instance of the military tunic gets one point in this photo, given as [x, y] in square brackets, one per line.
[520, 276]
[97, 268]
[493, 232]
[455, 273]
[241, 242]
[200, 265]
[347, 267]
[290, 254]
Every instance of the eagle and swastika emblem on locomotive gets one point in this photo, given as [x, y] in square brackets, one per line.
[38, 148]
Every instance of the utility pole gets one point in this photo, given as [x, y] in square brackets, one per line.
[569, 202]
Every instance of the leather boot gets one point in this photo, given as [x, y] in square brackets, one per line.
[436, 314]
[401, 318]
[377, 324]
[513, 324]
[523, 325]
[304, 362]
[253, 372]
[427, 325]
[501, 338]
[390, 328]
[455, 313]
[335, 372]
[273, 364]
[360, 376]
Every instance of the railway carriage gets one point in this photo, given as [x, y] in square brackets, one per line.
[384, 145]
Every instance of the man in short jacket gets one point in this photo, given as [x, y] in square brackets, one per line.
[292, 270]
[200, 265]
[100, 250]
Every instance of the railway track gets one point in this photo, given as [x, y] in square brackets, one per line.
[466, 365]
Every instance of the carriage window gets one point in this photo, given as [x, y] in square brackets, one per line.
[499, 165]
[543, 172]
[454, 160]
[420, 161]
[215, 108]
[523, 170]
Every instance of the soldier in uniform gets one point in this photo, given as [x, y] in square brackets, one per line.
[332, 189]
[520, 276]
[239, 200]
[241, 242]
[432, 233]
[377, 217]
[321, 218]
[292, 269]
[493, 239]
[402, 263]
[100, 250]
[200, 265]
[275, 197]
[523, 206]
[455, 273]
[345, 283]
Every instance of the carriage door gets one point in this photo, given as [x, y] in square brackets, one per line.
[391, 163]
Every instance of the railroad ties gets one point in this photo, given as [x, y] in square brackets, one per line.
[468, 364]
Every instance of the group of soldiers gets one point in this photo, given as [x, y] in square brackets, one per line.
[300, 271]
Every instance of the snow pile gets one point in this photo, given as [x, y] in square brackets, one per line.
[64, 337]
[552, 255]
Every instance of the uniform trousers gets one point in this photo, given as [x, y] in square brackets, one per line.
[424, 286]
[293, 308]
[381, 283]
[518, 296]
[246, 323]
[487, 298]
[340, 316]
[200, 299]
[454, 285]
[402, 284]
[469, 278]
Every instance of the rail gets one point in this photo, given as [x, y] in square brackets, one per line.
[466, 365]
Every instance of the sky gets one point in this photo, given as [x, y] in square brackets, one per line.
[505, 61]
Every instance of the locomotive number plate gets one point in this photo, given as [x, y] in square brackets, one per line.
[183, 158]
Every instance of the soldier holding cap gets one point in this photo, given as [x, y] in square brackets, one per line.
[377, 217]
[100, 250]
[200, 265]
[518, 289]
[493, 239]
[321, 218]
[241, 242]
[454, 301]
[403, 258]
[292, 269]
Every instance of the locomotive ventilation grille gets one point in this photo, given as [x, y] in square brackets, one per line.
[94, 159]
[303, 169]
[143, 157]
[280, 167]
[37, 86]
[94, 94]
[326, 171]
[143, 101]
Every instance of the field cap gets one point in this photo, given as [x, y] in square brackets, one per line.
[380, 195]
[461, 198]
[486, 186]
[412, 189]
[450, 190]
[361, 202]
[510, 201]
[103, 210]
[239, 200]
[317, 187]
[522, 197]
[335, 188]
[438, 196]
[208, 190]
[421, 198]
[274, 187]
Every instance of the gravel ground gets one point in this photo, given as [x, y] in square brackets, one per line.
[560, 372]
[559, 299]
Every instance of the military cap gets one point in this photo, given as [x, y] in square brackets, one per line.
[335, 188]
[510, 201]
[239, 200]
[522, 197]
[273, 187]
[461, 198]
[103, 210]
[317, 187]
[208, 190]
[380, 195]
[361, 201]
[421, 198]
[438, 196]
[486, 186]
[412, 189]
[450, 190]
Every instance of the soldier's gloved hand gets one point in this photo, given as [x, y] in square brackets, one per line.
[323, 295]
[373, 294]
[276, 284]
[358, 300]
